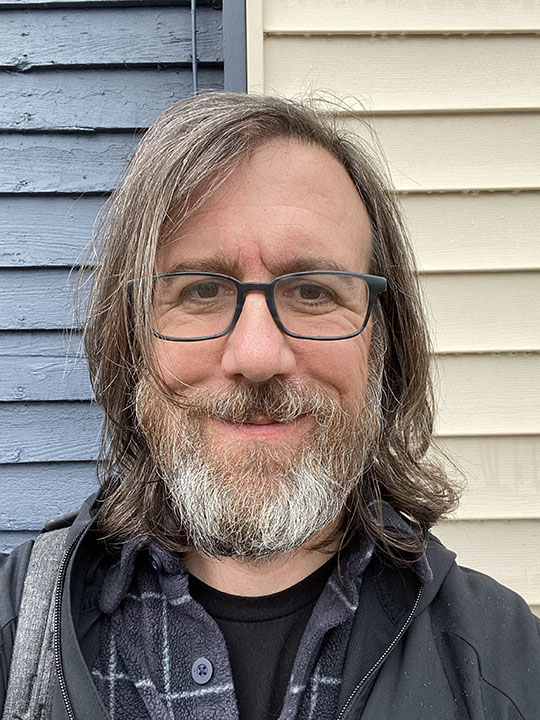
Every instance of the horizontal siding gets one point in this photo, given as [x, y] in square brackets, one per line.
[22, 305]
[41, 344]
[488, 394]
[348, 16]
[45, 490]
[507, 550]
[87, 36]
[84, 98]
[494, 151]
[484, 312]
[10, 540]
[101, 4]
[458, 232]
[79, 78]
[49, 432]
[501, 475]
[63, 163]
[418, 73]
[50, 231]
[37, 366]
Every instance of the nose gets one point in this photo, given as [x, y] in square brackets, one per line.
[256, 349]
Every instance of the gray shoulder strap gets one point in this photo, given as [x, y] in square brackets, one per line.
[29, 692]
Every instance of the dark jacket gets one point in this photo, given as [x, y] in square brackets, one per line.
[459, 647]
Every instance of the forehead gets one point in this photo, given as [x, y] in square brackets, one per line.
[289, 207]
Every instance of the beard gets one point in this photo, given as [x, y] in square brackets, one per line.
[254, 500]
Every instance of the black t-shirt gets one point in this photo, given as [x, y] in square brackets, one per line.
[262, 636]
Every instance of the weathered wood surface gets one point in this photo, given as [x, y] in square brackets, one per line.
[39, 4]
[51, 231]
[105, 98]
[45, 343]
[18, 4]
[37, 299]
[49, 432]
[10, 540]
[349, 16]
[87, 36]
[36, 492]
[414, 73]
[42, 366]
[73, 163]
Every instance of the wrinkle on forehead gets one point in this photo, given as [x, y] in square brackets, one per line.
[282, 194]
[280, 158]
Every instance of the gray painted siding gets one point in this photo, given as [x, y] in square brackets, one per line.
[79, 83]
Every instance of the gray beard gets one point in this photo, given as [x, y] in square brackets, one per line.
[256, 501]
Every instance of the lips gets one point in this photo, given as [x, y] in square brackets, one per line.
[260, 420]
[262, 427]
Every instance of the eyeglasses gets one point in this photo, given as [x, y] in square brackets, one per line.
[321, 305]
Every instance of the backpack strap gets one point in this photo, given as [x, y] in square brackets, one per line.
[29, 692]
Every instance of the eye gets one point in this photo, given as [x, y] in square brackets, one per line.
[308, 292]
[204, 290]
[313, 292]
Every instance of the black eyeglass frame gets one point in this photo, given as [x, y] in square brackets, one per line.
[375, 283]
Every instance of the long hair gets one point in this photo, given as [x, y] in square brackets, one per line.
[186, 154]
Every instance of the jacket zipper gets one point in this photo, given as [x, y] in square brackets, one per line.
[56, 624]
[383, 656]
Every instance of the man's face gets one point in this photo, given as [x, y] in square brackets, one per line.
[291, 207]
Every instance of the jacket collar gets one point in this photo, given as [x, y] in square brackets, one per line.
[388, 596]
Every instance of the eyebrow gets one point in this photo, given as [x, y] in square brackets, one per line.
[223, 265]
[214, 264]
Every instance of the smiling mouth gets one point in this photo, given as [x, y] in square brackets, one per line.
[262, 425]
[262, 420]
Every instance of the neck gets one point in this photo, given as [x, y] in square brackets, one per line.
[252, 578]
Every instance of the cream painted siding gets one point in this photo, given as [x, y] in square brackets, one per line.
[453, 93]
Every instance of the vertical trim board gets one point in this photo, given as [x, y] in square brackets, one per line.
[234, 45]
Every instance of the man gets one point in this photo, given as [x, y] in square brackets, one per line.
[259, 548]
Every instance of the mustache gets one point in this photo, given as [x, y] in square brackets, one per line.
[276, 400]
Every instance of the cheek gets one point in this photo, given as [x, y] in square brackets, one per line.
[180, 364]
[341, 366]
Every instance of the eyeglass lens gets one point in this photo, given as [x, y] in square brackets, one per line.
[317, 305]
